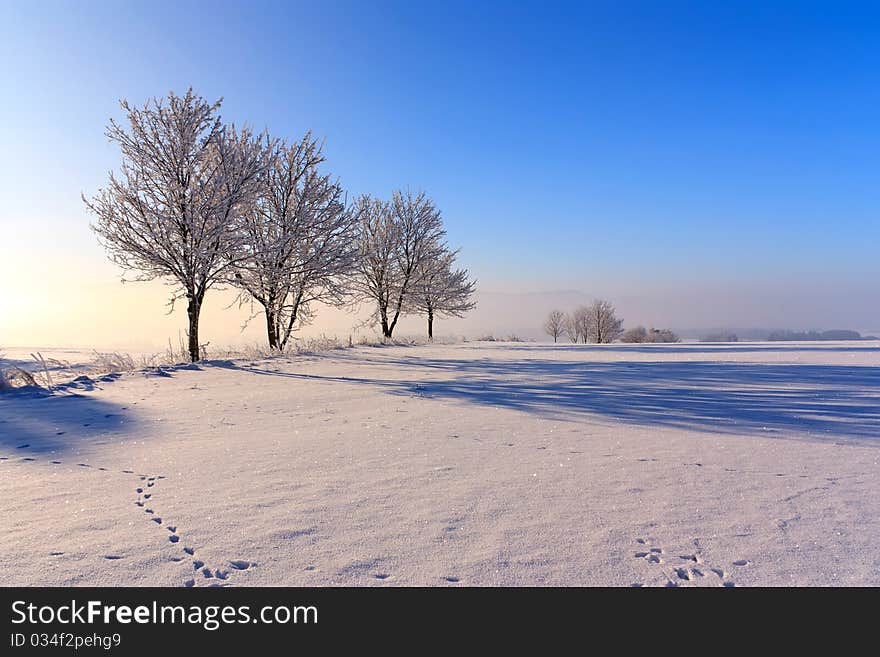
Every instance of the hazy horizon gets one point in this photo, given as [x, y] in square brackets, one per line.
[701, 167]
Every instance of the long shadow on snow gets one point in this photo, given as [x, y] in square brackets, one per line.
[825, 401]
[36, 421]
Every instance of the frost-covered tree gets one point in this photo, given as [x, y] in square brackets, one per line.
[600, 324]
[641, 334]
[173, 210]
[635, 335]
[440, 290]
[298, 237]
[554, 325]
[580, 324]
[572, 328]
[397, 240]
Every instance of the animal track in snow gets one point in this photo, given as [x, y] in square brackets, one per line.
[142, 497]
[686, 575]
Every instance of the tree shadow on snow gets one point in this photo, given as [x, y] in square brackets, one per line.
[828, 402]
[34, 421]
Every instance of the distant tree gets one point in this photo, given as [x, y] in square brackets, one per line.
[184, 183]
[298, 239]
[810, 336]
[397, 241]
[641, 334]
[635, 335]
[720, 337]
[662, 335]
[554, 325]
[601, 325]
[440, 290]
[580, 320]
[572, 327]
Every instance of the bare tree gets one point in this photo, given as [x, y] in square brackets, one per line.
[572, 328]
[662, 335]
[641, 334]
[581, 320]
[554, 325]
[173, 211]
[635, 335]
[439, 290]
[298, 237]
[397, 240]
[601, 324]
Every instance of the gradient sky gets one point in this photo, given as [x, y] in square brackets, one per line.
[669, 156]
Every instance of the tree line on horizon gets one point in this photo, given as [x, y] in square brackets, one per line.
[203, 204]
[599, 324]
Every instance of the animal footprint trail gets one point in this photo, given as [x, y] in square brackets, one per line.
[689, 572]
[149, 481]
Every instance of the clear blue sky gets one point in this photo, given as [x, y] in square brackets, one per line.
[568, 145]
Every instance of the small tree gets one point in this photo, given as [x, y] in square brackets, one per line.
[173, 211]
[441, 291]
[572, 328]
[580, 319]
[554, 325]
[662, 335]
[601, 324]
[635, 335]
[298, 237]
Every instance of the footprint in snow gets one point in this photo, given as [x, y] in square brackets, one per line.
[240, 565]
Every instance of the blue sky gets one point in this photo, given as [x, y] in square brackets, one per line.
[587, 146]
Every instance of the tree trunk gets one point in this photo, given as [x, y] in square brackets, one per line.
[193, 309]
[383, 315]
[430, 326]
[272, 329]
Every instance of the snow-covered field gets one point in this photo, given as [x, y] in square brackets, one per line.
[471, 464]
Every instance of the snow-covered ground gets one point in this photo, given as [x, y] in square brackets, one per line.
[471, 464]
